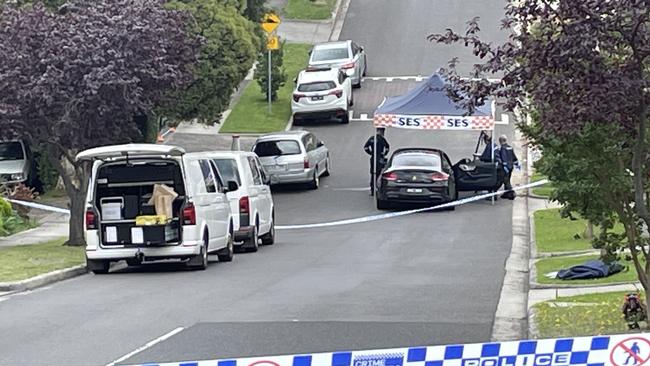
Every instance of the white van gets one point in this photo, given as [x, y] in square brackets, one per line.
[252, 203]
[120, 188]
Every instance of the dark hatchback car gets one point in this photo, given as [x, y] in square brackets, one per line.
[417, 175]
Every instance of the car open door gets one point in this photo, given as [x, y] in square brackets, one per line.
[476, 175]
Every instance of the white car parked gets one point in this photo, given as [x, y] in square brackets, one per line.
[252, 203]
[322, 93]
[346, 55]
[120, 188]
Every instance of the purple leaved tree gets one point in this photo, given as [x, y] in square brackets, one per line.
[580, 70]
[75, 78]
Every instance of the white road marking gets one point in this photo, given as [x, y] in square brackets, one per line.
[363, 116]
[352, 189]
[505, 119]
[350, 114]
[148, 345]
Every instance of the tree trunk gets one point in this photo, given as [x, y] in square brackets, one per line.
[589, 231]
[77, 216]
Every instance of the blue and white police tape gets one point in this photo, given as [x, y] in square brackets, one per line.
[40, 206]
[389, 215]
[356, 220]
[615, 350]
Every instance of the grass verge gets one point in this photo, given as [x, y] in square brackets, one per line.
[581, 315]
[309, 9]
[26, 261]
[545, 190]
[251, 115]
[556, 234]
[553, 264]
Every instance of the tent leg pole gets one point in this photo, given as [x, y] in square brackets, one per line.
[492, 154]
[374, 168]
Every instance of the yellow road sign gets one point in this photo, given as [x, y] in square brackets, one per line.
[273, 43]
[270, 22]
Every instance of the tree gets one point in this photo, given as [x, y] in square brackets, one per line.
[580, 69]
[227, 53]
[278, 74]
[255, 10]
[76, 78]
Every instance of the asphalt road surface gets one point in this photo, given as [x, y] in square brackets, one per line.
[431, 278]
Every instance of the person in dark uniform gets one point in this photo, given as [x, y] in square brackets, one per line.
[487, 152]
[509, 161]
[382, 150]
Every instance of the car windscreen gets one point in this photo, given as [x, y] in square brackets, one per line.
[316, 86]
[277, 148]
[431, 161]
[228, 170]
[327, 54]
[11, 151]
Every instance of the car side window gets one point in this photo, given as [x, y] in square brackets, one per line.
[208, 176]
[446, 164]
[306, 141]
[257, 178]
[263, 172]
[217, 175]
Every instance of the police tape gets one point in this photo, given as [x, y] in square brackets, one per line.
[356, 220]
[614, 350]
[40, 206]
[390, 215]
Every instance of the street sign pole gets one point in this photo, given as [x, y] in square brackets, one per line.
[270, 22]
[269, 81]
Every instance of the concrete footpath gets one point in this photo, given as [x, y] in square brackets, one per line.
[51, 227]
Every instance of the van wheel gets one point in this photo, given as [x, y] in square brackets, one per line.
[252, 244]
[327, 167]
[98, 266]
[269, 238]
[345, 119]
[226, 254]
[315, 182]
[200, 262]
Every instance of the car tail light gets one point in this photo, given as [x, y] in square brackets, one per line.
[439, 177]
[338, 93]
[390, 176]
[348, 66]
[296, 97]
[91, 220]
[244, 205]
[305, 163]
[189, 214]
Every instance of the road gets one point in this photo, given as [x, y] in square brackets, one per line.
[430, 278]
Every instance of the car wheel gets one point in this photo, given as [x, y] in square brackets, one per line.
[357, 85]
[315, 181]
[269, 238]
[226, 254]
[98, 266]
[327, 167]
[200, 261]
[251, 244]
[345, 119]
[382, 205]
[351, 103]
[365, 66]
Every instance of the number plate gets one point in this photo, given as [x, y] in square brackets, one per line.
[414, 190]
[316, 98]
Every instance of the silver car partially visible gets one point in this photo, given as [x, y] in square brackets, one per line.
[345, 55]
[293, 157]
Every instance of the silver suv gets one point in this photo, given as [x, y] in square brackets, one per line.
[293, 157]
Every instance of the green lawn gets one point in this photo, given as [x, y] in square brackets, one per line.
[555, 234]
[309, 9]
[251, 115]
[591, 315]
[554, 264]
[545, 190]
[25, 261]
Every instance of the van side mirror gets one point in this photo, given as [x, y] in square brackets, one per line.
[320, 144]
[232, 186]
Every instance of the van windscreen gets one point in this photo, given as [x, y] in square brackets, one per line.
[12, 150]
